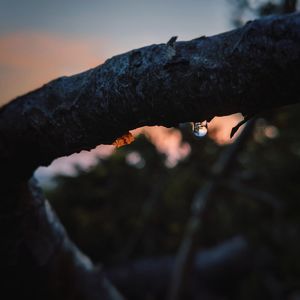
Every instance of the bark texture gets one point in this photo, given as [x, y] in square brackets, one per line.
[246, 70]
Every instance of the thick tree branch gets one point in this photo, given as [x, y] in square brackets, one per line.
[245, 70]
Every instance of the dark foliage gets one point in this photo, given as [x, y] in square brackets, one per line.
[119, 210]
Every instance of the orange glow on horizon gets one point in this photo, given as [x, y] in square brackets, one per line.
[30, 59]
[220, 127]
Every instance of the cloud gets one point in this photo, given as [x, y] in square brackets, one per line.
[30, 59]
[220, 127]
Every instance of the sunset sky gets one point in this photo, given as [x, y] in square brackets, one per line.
[41, 40]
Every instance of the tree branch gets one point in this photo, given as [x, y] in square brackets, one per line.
[199, 207]
[246, 70]
[38, 260]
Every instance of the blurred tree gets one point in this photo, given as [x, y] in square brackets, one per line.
[132, 200]
[256, 201]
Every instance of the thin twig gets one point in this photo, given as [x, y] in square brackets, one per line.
[186, 251]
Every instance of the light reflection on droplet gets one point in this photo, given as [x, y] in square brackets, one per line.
[200, 129]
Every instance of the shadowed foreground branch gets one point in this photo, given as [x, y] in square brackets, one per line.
[38, 260]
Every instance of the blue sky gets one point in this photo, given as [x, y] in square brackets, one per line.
[41, 40]
[115, 18]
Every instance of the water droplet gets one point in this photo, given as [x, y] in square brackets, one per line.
[200, 129]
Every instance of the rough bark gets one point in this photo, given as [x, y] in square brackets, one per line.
[245, 70]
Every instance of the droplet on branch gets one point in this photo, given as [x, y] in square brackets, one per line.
[200, 129]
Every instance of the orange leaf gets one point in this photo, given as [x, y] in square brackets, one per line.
[124, 140]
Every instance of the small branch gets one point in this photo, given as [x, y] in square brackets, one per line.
[38, 258]
[199, 205]
[241, 123]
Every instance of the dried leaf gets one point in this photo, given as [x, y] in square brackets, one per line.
[124, 140]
